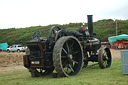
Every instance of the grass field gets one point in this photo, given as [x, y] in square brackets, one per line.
[92, 75]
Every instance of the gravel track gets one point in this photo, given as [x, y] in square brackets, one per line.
[14, 61]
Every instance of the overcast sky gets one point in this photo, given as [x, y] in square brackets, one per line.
[26, 13]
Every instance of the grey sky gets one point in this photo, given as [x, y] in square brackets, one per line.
[26, 13]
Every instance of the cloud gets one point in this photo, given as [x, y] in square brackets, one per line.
[25, 13]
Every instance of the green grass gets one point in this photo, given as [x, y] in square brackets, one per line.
[92, 75]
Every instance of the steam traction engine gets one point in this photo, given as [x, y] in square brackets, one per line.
[66, 52]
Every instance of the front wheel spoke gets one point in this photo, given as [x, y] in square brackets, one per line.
[109, 59]
[104, 63]
[71, 68]
[105, 54]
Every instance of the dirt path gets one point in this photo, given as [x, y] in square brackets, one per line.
[11, 68]
[11, 61]
[14, 61]
[115, 54]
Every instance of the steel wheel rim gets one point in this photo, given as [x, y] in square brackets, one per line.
[69, 55]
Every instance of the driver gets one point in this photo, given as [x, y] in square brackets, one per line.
[83, 30]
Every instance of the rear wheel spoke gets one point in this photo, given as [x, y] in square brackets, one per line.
[71, 68]
[64, 50]
[75, 52]
[67, 69]
[105, 63]
[74, 61]
[67, 46]
[69, 62]
[72, 45]
[64, 56]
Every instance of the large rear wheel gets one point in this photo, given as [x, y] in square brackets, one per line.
[67, 56]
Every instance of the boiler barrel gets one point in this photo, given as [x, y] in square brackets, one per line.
[94, 44]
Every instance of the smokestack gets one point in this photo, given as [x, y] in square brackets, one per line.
[90, 25]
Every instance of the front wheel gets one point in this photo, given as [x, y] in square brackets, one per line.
[67, 56]
[104, 58]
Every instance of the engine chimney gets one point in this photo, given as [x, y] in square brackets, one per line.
[90, 25]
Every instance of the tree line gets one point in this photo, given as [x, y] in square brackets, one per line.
[103, 29]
